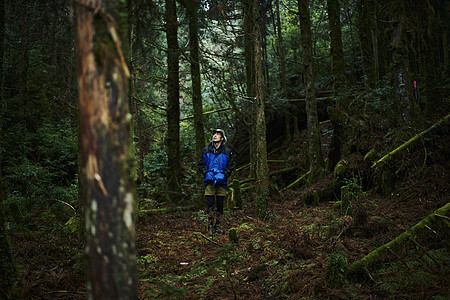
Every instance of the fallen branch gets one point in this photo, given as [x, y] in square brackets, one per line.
[372, 258]
[410, 142]
[299, 180]
[146, 212]
[208, 239]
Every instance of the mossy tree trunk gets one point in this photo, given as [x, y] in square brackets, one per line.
[173, 104]
[337, 54]
[316, 162]
[192, 6]
[106, 157]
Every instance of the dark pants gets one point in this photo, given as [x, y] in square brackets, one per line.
[211, 201]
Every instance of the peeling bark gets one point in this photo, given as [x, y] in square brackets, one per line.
[106, 158]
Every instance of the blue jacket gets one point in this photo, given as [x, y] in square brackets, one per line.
[216, 165]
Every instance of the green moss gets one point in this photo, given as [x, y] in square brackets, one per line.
[336, 269]
[337, 205]
[341, 169]
[370, 156]
[233, 235]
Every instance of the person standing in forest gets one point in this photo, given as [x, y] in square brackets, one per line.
[216, 164]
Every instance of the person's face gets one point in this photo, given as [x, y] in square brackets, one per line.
[217, 137]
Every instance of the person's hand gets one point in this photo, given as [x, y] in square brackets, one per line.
[209, 176]
[219, 178]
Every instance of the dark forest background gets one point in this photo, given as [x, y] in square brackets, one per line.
[312, 96]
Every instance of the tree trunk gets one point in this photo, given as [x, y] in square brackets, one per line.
[135, 106]
[196, 81]
[173, 104]
[260, 151]
[262, 170]
[408, 110]
[250, 79]
[283, 72]
[106, 153]
[2, 47]
[7, 264]
[337, 54]
[382, 43]
[316, 161]
[365, 27]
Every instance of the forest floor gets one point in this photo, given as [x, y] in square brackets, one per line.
[284, 256]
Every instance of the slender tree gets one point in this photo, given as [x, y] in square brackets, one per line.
[262, 171]
[192, 6]
[173, 104]
[316, 161]
[282, 70]
[106, 159]
[250, 79]
[337, 54]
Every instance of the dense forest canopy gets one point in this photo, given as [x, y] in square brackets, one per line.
[327, 106]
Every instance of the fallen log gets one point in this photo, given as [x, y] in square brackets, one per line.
[410, 142]
[362, 266]
[298, 181]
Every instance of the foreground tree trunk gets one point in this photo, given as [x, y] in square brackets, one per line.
[173, 104]
[106, 158]
[316, 161]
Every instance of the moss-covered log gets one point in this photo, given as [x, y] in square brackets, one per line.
[298, 181]
[361, 266]
[410, 142]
